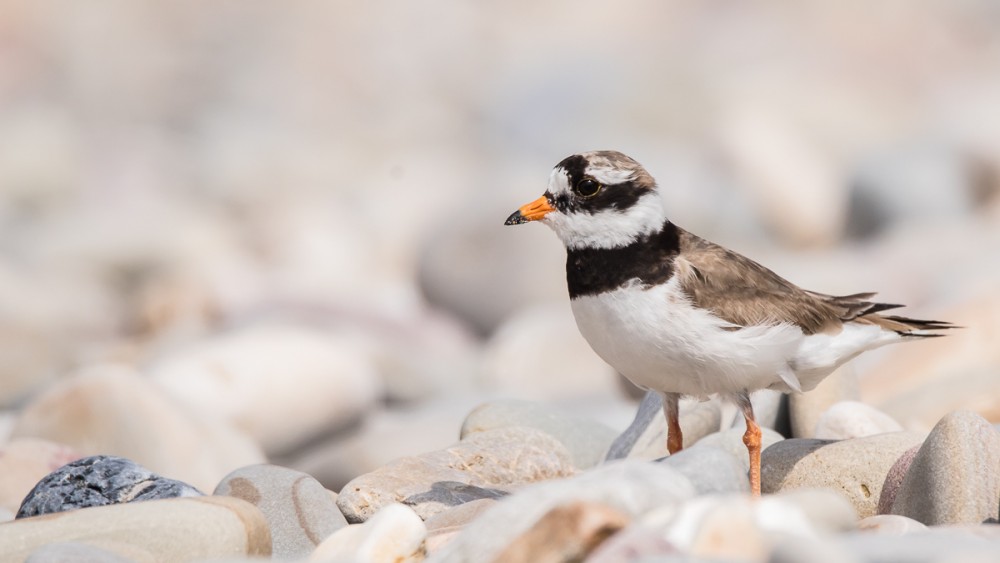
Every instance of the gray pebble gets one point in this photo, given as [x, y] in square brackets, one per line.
[97, 481]
[710, 469]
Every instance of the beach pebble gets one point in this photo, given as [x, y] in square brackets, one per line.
[112, 410]
[481, 466]
[710, 469]
[894, 479]
[637, 543]
[586, 439]
[568, 532]
[931, 546]
[99, 481]
[394, 534]
[23, 463]
[646, 436]
[444, 526]
[96, 552]
[179, 529]
[282, 384]
[300, 512]
[539, 354]
[731, 441]
[856, 468]
[890, 524]
[632, 487]
[853, 419]
[955, 476]
[804, 409]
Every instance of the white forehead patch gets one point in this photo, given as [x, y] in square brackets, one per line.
[558, 181]
[610, 176]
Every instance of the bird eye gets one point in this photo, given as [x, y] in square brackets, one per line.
[588, 187]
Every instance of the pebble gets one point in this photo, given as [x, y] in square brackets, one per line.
[538, 354]
[646, 436]
[710, 469]
[853, 419]
[804, 409]
[856, 468]
[394, 534]
[299, 511]
[483, 465]
[955, 476]
[23, 463]
[326, 382]
[632, 487]
[97, 552]
[179, 529]
[890, 525]
[586, 439]
[731, 441]
[568, 532]
[113, 410]
[932, 546]
[99, 481]
[894, 479]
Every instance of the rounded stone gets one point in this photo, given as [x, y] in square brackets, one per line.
[894, 479]
[394, 533]
[731, 441]
[300, 512]
[853, 419]
[710, 469]
[890, 524]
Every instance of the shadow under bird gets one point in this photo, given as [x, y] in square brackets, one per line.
[679, 315]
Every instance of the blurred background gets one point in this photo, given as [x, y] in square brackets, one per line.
[232, 231]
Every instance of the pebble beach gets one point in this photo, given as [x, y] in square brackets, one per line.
[257, 301]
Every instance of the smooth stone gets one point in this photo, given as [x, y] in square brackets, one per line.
[710, 469]
[179, 529]
[853, 419]
[634, 543]
[85, 552]
[797, 549]
[731, 442]
[23, 463]
[300, 512]
[932, 546]
[854, 468]
[394, 534]
[890, 525]
[539, 354]
[586, 439]
[646, 436]
[327, 381]
[894, 479]
[804, 409]
[112, 410]
[459, 516]
[480, 466]
[826, 510]
[955, 477]
[633, 487]
[99, 481]
[568, 532]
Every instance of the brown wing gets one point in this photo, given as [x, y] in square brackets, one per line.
[745, 293]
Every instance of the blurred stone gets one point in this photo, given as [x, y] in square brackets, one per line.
[890, 524]
[731, 442]
[384, 436]
[855, 468]
[71, 551]
[568, 532]
[825, 509]
[630, 486]
[804, 409]
[646, 436]
[929, 546]
[539, 354]
[586, 439]
[112, 410]
[853, 419]
[299, 511]
[393, 534]
[459, 516]
[481, 466]
[955, 476]
[182, 529]
[473, 254]
[710, 469]
[894, 479]
[281, 384]
[636, 542]
[23, 463]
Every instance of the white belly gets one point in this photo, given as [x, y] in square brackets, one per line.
[658, 340]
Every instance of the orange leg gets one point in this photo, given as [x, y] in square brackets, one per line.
[675, 438]
[751, 438]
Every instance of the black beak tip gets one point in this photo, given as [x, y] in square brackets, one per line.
[515, 219]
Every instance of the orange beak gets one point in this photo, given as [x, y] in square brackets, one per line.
[530, 212]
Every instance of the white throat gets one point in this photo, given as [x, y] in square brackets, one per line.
[610, 228]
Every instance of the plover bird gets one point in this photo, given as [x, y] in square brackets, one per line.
[682, 316]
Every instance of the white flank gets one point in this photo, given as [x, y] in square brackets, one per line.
[659, 340]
